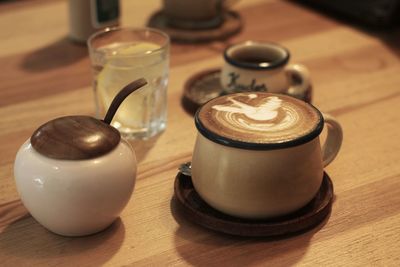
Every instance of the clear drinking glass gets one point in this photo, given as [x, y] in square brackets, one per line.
[120, 56]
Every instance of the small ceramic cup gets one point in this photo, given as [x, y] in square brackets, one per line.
[262, 66]
[258, 155]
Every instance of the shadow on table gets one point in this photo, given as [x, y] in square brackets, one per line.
[389, 35]
[61, 53]
[207, 246]
[143, 147]
[391, 39]
[28, 243]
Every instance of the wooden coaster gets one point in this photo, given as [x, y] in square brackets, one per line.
[232, 24]
[200, 88]
[196, 210]
[205, 85]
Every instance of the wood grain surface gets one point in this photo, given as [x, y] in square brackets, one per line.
[355, 75]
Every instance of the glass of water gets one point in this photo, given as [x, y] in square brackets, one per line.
[120, 56]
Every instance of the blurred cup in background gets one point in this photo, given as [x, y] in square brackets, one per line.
[193, 14]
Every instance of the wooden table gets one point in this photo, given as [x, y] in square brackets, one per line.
[356, 77]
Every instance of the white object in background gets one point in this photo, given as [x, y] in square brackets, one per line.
[89, 16]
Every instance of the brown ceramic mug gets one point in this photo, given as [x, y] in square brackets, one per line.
[258, 155]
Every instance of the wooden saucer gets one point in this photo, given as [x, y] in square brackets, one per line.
[205, 85]
[196, 210]
[232, 24]
[200, 88]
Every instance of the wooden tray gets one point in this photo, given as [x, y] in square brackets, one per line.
[205, 85]
[197, 211]
[232, 24]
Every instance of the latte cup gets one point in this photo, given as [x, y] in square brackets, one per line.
[262, 66]
[258, 155]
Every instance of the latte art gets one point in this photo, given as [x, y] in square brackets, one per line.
[259, 117]
[265, 111]
[268, 116]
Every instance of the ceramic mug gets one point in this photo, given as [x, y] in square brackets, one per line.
[262, 66]
[258, 155]
[193, 14]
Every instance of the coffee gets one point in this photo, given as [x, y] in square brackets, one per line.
[259, 118]
[257, 55]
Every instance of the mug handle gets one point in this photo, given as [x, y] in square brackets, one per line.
[299, 77]
[333, 140]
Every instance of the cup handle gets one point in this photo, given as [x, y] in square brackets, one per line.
[333, 140]
[299, 78]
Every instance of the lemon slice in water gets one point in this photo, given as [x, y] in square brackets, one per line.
[126, 63]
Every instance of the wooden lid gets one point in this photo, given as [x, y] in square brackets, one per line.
[75, 138]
